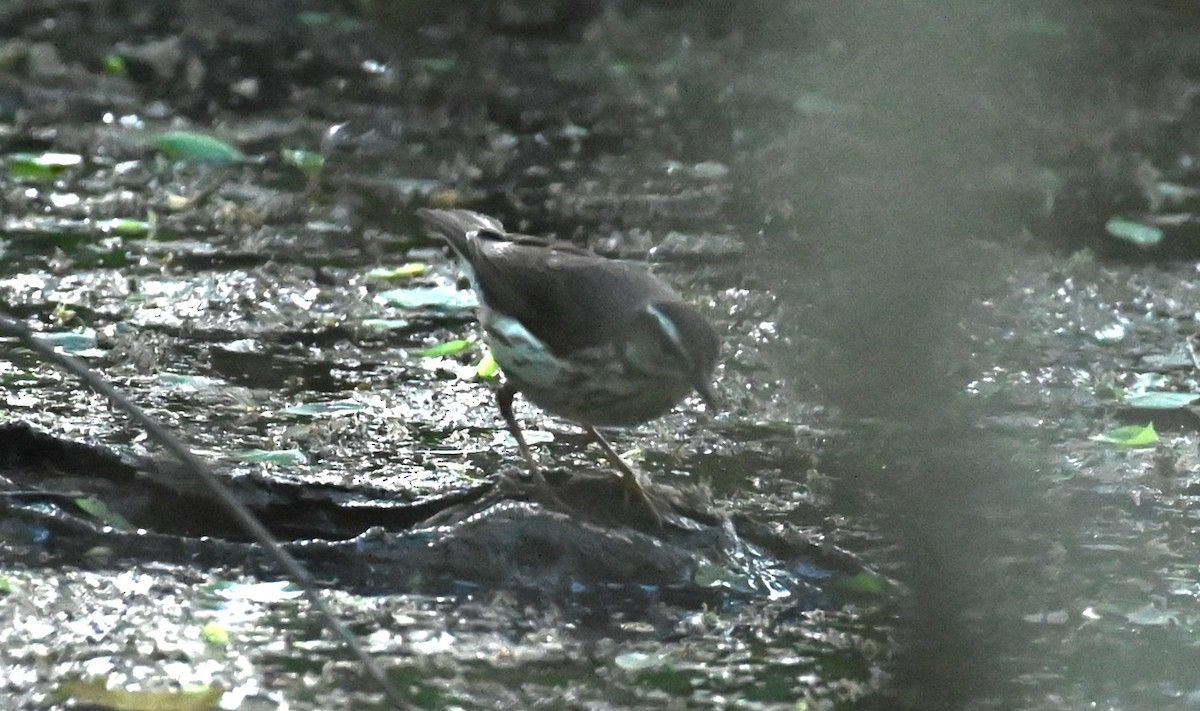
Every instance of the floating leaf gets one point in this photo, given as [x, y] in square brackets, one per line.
[636, 661]
[446, 198]
[487, 368]
[190, 383]
[1176, 194]
[215, 634]
[41, 166]
[448, 348]
[1110, 391]
[100, 511]
[1112, 333]
[64, 313]
[335, 21]
[1161, 400]
[7, 586]
[1145, 382]
[438, 298]
[385, 324]
[1150, 616]
[708, 575]
[864, 583]
[531, 437]
[49, 159]
[126, 227]
[409, 188]
[309, 162]
[331, 408]
[1135, 233]
[197, 148]
[115, 65]
[1130, 436]
[708, 170]
[404, 271]
[284, 457]
[96, 693]
[437, 65]
[270, 591]
[74, 342]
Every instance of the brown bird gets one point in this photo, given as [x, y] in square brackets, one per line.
[599, 342]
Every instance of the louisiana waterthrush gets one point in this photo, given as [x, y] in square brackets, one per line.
[602, 343]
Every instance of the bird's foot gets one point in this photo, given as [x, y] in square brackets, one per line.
[632, 488]
[633, 492]
[545, 495]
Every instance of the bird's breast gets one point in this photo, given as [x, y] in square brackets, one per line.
[592, 387]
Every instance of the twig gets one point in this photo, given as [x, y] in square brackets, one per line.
[293, 568]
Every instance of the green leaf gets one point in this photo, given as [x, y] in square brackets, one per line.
[1135, 233]
[7, 586]
[309, 162]
[404, 271]
[189, 383]
[333, 21]
[197, 148]
[285, 457]
[864, 583]
[1112, 333]
[437, 65]
[73, 342]
[126, 227]
[1151, 616]
[1130, 436]
[437, 298]
[215, 634]
[100, 511]
[637, 661]
[1161, 400]
[448, 348]
[268, 591]
[488, 368]
[385, 324]
[331, 408]
[41, 166]
[709, 575]
[96, 693]
[414, 187]
[115, 65]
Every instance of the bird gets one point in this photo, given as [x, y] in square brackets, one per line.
[595, 341]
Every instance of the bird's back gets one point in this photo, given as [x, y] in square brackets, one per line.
[569, 298]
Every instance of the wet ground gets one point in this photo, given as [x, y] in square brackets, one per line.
[938, 288]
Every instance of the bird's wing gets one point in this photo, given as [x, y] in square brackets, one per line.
[566, 296]
[569, 298]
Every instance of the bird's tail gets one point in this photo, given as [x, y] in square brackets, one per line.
[454, 225]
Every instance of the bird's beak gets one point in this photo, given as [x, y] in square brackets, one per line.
[705, 388]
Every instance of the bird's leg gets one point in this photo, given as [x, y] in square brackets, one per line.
[629, 480]
[504, 399]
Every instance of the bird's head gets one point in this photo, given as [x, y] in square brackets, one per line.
[672, 340]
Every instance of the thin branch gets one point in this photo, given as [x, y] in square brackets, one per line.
[293, 568]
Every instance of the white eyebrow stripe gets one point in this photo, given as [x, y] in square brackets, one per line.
[668, 326]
